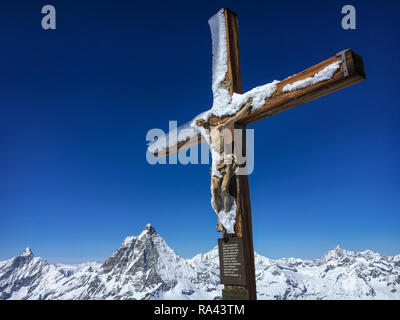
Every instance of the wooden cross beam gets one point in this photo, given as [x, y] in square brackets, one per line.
[284, 100]
[291, 92]
[243, 224]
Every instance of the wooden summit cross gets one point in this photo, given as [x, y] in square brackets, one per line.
[346, 68]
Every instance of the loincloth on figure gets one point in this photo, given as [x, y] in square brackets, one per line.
[226, 166]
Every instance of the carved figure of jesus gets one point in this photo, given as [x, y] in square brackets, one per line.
[224, 164]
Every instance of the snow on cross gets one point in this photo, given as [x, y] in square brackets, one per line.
[232, 109]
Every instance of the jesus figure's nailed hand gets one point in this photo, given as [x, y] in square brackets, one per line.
[202, 123]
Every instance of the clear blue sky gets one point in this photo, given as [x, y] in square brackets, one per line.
[76, 103]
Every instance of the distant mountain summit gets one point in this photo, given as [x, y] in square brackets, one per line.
[145, 267]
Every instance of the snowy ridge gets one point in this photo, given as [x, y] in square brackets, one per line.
[145, 267]
[324, 74]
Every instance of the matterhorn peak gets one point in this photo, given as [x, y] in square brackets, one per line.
[148, 230]
[27, 252]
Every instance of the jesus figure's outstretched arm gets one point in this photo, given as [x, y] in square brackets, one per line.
[238, 115]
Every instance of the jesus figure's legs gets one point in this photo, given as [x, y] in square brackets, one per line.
[221, 185]
[216, 197]
[215, 193]
[226, 179]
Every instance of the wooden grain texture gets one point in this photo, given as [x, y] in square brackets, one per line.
[241, 192]
[243, 226]
[281, 101]
[232, 31]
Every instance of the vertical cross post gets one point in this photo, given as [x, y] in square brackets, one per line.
[243, 226]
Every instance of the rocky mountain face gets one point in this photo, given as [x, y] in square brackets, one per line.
[145, 267]
[339, 274]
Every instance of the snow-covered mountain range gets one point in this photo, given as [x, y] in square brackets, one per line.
[145, 267]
